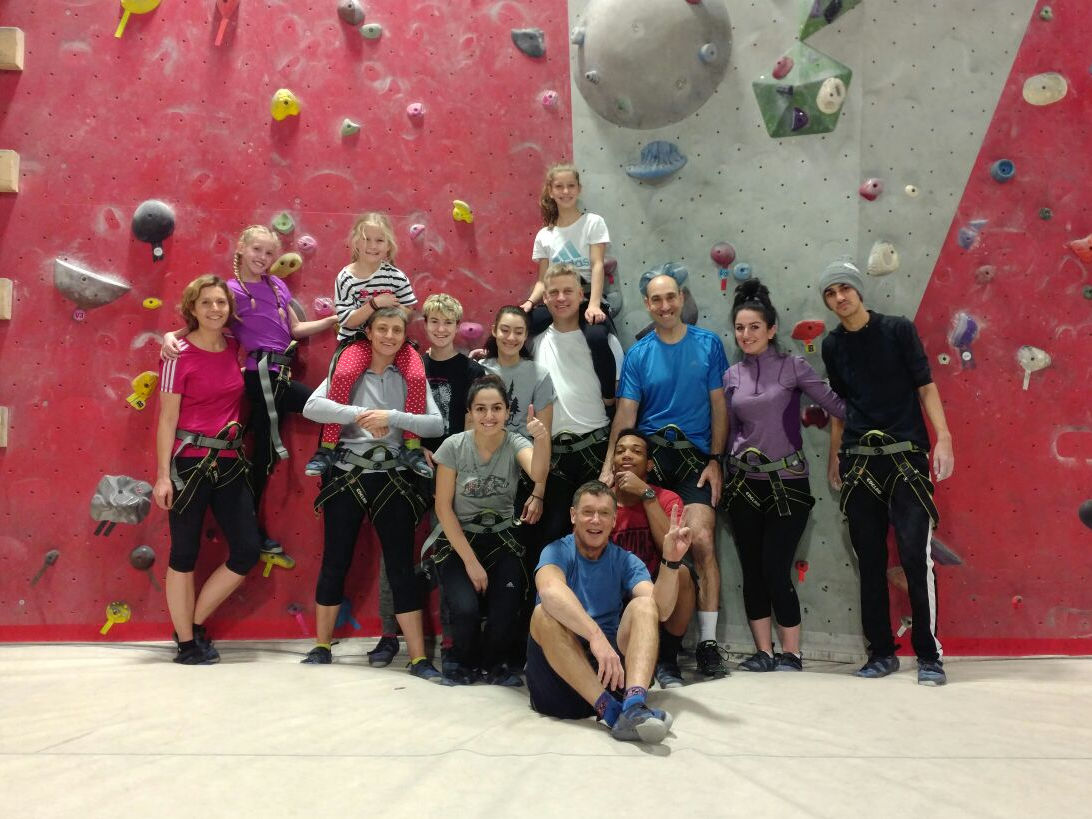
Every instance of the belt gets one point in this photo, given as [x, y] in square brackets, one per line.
[678, 439]
[368, 460]
[780, 495]
[186, 484]
[793, 462]
[568, 442]
[486, 522]
[350, 481]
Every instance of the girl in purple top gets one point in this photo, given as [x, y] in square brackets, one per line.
[766, 493]
[265, 327]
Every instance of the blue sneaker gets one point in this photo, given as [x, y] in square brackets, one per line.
[503, 675]
[789, 662]
[385, 651]
[319, 655]
[931, 672]
[877, 667]
[668, 675]
[425, 670]
[663, 716]
[458, 674]
[759, 661]
[639, 723]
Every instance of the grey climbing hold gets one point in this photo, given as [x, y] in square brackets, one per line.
[882, 259]
[86, 287]
[708, 53]
[349, 127]
[531, 41]
[351, 12]
[283, 223]
[576, 36]
[153, 222]
[658, 160]
[121, 499]
[592, 76]
[371, 31]
[143, 558]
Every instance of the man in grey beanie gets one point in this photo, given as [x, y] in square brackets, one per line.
[879, 459]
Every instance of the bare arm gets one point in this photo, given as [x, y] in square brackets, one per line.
[837, 427]
[306, 329]
[675, 544]
[539, 290]
[169, 405]
[561, 603]
[718, 409]
[597, 253]
[625, 416]
[453, 530]
[943, 457]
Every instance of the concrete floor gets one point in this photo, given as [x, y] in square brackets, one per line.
[118, 730]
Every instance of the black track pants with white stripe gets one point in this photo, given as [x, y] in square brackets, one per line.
[869, 519]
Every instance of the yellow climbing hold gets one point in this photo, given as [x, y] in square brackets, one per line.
[461, 212]
[286, 265]
[152, 303]
[143, 387]
[133, 7]
[285, 104]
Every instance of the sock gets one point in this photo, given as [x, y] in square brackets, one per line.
[186, 645]
[669, 647]
[325, 445]
[707, 626]
[608, 709]
[412, 443]
[326, 646]
[635, 694]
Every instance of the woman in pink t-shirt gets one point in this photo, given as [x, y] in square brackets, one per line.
[198, 447]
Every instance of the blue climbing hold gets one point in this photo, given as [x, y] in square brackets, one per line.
[658, 160]
[1003, 170]
[742, 271]
[675, 271]
[968, 234]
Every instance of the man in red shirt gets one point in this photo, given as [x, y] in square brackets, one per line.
[642, 522]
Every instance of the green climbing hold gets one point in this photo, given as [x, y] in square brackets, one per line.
[348, 127]
[283, 222]
[1087, 291]
[806, 100]
[817, 14]
[371, 31]
[1045, 213]
[1046, 13]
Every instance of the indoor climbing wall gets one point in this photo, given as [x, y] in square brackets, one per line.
[129, 164]
[816, 128]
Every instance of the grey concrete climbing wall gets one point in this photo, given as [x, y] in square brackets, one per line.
[925, 80]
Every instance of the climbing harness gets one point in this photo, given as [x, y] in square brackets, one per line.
[377, 459]
[780, 495]
[876, 443]
[186, 481]
[272, 390]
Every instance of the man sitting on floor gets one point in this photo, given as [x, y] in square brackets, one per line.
[591, 653]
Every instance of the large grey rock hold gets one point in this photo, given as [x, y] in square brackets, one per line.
[121, 499]
[531, 41]
[86, 287]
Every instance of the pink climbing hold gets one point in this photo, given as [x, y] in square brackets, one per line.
[870, 189]
[548, 99]
[323, 306]
[722, 254]
[416, 230]
[782, 67]
[1082, 248]
[814, 415]
[415, 110]
[470, 332]
[306, 244]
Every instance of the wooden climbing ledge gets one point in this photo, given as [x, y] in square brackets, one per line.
[5, 299]
[3, 427]
[12, 50]
[9, 172]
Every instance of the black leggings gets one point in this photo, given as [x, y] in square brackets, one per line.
[606, 369]
[394, 526]
[766, 543]
[503, 599]
[233, 508]
[287, 399]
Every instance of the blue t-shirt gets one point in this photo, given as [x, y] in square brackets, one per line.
[672, 382]
[602, 586]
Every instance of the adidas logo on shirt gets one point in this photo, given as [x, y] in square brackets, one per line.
[570, 255]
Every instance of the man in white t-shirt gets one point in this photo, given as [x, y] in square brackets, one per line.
[580, 425]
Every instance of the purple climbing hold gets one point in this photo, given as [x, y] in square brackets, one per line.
[968, 234]
[531, 41]
[832, 10]
[782, 67]
[799, 119]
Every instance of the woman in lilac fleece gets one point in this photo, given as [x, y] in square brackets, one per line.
[766, 494]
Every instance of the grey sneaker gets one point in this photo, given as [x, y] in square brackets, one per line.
[931, 672]
[789, 662]
[877, 667]
[425, 670]
[668, 675]
[759, 661]
[639, 723]
[385, 651]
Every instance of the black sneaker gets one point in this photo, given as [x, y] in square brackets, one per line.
[191, 655]
[710, 659]
[384, 652]
[201, 637]
[503, 675]
[320, 463]
[271, 547]
[931, 672]
[759, 661]
[414, 459]
[319, 655]
[877, 667]
[458, 674]
[789, 662]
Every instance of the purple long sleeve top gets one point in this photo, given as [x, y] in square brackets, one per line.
[763, 396]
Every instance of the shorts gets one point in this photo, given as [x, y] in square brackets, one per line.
[679, 470]
[551, 695]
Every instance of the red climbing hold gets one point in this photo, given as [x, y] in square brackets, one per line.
[807, 332]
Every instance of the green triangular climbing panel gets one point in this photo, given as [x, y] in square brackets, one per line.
[819, 13]
[805, 96]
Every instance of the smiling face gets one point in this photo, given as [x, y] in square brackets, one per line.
[753, 335]
[510, 331]
[844, 301]
[564, 190]
[371, 246]
[593, 519]
[563, 296]
[488, 411]
[212, 309]
[663, 299]
[387, 334]
[256, 254]
[631, 455]
[440, 330]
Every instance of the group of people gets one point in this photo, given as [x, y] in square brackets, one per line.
[572, 488]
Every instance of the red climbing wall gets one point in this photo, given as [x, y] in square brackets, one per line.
[1023, 458]
[102, 124]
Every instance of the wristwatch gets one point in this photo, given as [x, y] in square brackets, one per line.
[648, 494]
[671, 564]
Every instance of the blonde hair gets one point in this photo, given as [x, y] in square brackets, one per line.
[193, 291]
[546, 204]
[373, 219]
[237, 260]
[445, 305]
[555, 271]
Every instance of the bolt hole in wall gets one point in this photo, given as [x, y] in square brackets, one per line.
[198, 134]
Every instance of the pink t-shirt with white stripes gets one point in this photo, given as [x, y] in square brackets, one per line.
[211, 386]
